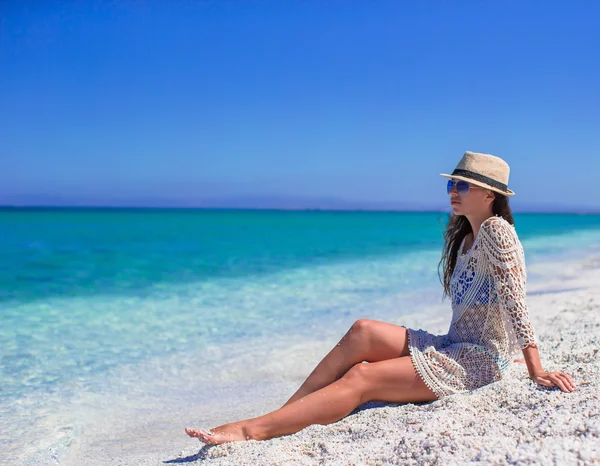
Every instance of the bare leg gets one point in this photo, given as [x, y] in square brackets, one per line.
[367, 340]
[393, 380]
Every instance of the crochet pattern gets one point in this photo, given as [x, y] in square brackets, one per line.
[490, 321]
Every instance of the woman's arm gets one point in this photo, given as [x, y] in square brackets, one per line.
[539, 375]
[507, 264]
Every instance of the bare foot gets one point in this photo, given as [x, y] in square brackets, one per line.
[226, 433]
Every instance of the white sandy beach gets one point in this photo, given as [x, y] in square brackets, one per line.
[514, 421]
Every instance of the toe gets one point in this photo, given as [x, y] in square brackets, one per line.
[193, 432]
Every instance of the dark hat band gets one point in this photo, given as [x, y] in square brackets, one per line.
[479, 177]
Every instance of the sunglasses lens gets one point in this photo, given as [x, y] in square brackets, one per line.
[462, 187]
[449, 186]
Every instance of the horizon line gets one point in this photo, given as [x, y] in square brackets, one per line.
[573, 210]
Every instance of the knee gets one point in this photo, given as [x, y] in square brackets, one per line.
[357, 373]
[360, 333]
[362, 327]
[356, 380]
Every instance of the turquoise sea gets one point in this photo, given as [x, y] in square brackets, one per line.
[104, 305]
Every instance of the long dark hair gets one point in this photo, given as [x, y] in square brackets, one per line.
[457, 228]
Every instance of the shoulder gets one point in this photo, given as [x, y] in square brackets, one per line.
[499, 232]
[496, 223]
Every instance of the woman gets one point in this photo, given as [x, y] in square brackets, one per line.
[484, 273]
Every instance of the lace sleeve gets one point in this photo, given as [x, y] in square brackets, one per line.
[507, 264]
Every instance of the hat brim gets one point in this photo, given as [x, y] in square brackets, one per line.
[508, 192]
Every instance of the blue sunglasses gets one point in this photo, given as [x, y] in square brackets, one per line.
[462, 187]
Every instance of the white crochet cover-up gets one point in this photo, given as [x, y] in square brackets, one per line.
[490, 320]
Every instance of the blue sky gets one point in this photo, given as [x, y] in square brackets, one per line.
[173, 102]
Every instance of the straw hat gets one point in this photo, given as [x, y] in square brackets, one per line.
[485, 170]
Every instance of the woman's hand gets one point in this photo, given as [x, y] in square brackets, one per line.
[551, 379]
